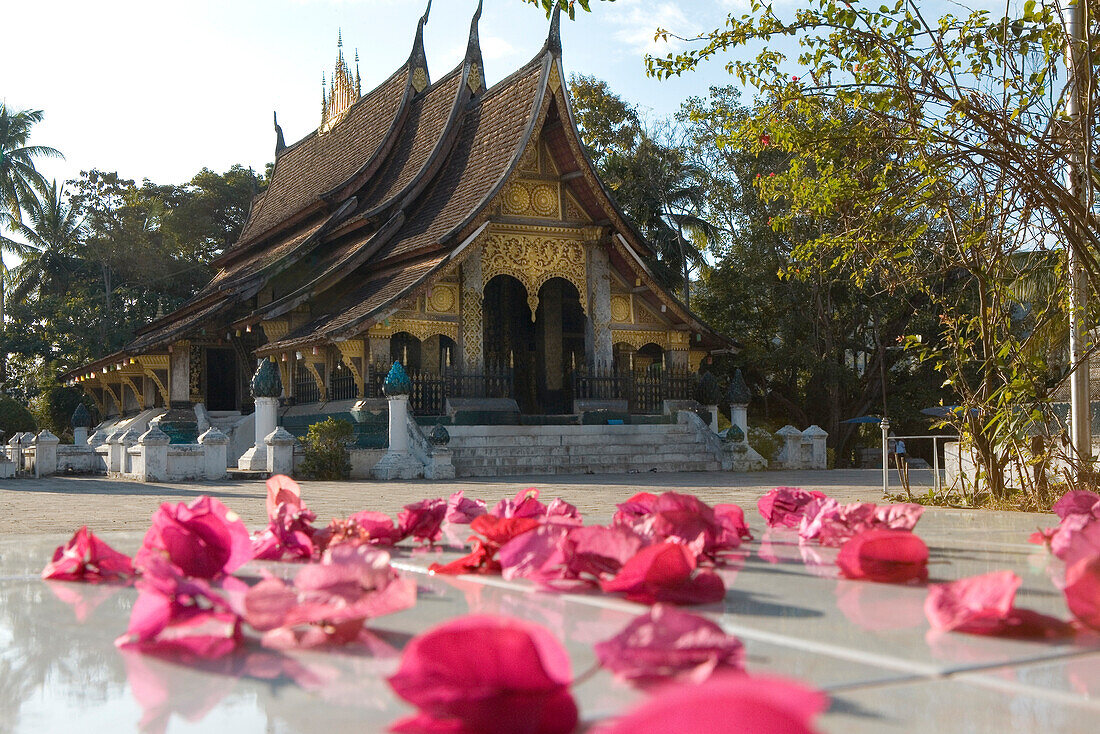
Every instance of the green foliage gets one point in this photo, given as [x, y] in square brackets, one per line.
[766, 443]
[326, 450]
[54, 405]
[14, 417]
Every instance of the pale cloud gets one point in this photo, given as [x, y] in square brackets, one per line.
[638, 20]
[494, 48]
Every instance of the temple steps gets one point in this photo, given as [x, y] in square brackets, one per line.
[488, 451]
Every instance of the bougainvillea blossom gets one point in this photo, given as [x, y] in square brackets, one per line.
[524, 504]
[177, 614]
[784, 506]
[725, 704]
[666, 572]
[985, 605]
[1082, 591]
[289, 535]
[461, 510]
[87, 558]
[328, 601]
[830, 523]
[203, 539]
[666, 643]
[890, 556]
[494, 532]
[282, 490]
[488, 674]
[423, 520]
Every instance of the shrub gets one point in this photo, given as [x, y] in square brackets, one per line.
[54, 406]
[765, 442]
[14, 417]
[326, 450]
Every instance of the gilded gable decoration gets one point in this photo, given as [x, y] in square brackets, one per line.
[343, 90]
[442, 298]
[532, 260]
[422, 329]
[620, 309]
[638, 338]
[528, 198]
[420, 79]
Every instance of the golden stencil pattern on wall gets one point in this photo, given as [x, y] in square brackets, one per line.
[150, 363]
[420, 328]
[643, 315]
[678, 339]
[638, 338]
[420, 79]
[620, 309]
[443, 298]
[533, 260]
[695, 358]
[529, 198]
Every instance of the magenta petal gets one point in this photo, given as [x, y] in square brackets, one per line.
[461, 511]
[890, 556]
[667, 643]
[536, 555]
[726, 704]
[423, 520]
[978, 604]
[666, 572]
[87, 558]
[202, 539]
[281, 489]
[1077, 502]
[598, 551]
[488, 674]
[785, 506]
[1083, 591]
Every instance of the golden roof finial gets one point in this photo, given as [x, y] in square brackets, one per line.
[343, 90]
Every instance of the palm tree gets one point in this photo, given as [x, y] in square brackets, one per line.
[666, 195]
[50, 240]
[19, 179]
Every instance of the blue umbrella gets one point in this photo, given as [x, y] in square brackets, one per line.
[864, 419]
[943, 411]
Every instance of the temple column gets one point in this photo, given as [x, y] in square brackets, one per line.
[597, 334]
[179, 375]
[472, 334]
[550, 302]
[676, 359]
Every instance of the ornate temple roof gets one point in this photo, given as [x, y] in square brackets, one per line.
[367, 208]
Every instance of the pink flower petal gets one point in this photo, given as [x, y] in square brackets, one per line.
[202, 539]
[461, 511]
[725, 704]
[560, 511]
[281, 489]
[598, 551]
[524, 504]
[665, 572]
[87, 558]
[889, 556]
[666, 643]
[732, 520]
[1077, 502]
[977, 604]
[1083, 591]
[486, 674]
[423, 520]
[784, 506]
[536, 555]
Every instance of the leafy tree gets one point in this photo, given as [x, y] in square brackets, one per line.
[51, 239]
[976, 129]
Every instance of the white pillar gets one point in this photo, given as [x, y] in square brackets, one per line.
[45, 454]
[179, 374]
[739, 416]
[819, 455]
[790, 454]
[713, 409]
[885, 426]
[266, 418]
[215, 446]
[280, 451]
[80, 436]
[399, 416]
[114, 452]
[154, 456]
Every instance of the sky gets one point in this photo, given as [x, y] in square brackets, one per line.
[159, 90]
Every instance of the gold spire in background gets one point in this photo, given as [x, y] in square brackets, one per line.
[343, 89]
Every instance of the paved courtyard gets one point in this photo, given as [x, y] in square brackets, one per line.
[867, 645]
[64, 503]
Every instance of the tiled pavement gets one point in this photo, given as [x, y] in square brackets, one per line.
[867, 644]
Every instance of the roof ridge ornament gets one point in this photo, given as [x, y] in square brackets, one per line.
[553, 37]
[418, 60]
[280, 143]
[473, 66]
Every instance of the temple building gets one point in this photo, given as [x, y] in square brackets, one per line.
[455, 227]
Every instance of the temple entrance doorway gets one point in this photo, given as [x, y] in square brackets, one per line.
[221, 380]
[542, 352]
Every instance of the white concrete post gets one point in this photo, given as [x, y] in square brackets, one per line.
[114, 452]
[266, 418]
[154, 456]
[15, 451]
[399, 416]
[126, 440]
[739, 416]
[789, 455]
[280, 451]
[80, 436]
[713, 410]
[885, 426]
[215, 446]
[819, 455]
[45, 454]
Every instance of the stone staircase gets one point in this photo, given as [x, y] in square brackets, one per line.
[493, 451]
